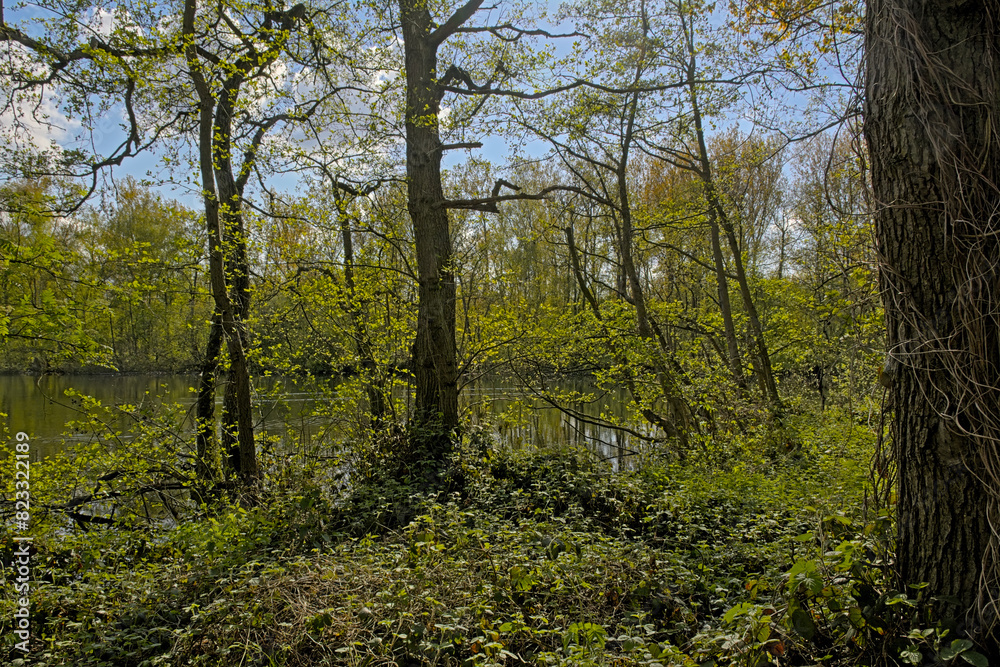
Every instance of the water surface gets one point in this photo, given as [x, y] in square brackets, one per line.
[40, 407]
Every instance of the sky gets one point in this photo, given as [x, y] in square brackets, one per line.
[107, 131]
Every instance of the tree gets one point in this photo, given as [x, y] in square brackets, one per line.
[666, 73]
[933, 97]
[218, 80]
[694, 155]
[247, 72]
[824, 270]
[435, 362]
[595, 135]
[331, 295]
[48, 306]
[147, 254]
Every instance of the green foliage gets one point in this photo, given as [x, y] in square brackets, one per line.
[48, 311]
[533, 557]
[736, 538]
[146, 254]
[836, 605]
[115, 288]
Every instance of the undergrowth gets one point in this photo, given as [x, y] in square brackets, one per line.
[523, 558]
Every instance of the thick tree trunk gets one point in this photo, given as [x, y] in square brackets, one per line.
[434, 356]
[237, 409]
[933, 99]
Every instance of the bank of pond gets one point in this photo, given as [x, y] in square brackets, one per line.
[514, 556]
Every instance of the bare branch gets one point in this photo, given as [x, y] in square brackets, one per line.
[498, 30]
[489, 204]
[448, 28]
[465, 144]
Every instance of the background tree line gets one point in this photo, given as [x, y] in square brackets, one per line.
[125, 280]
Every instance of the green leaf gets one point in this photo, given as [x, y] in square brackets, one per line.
[974, 658]
[739, 610]
[803, 623]
[957, 646]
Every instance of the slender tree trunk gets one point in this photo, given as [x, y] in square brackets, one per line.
[667, 426]
[210, 138]
[374, 385]
[679, 412]
[574, 259]
[725, 305]
[206, 466]
[435, 364]
[756, 329]
[763, 366]
[782, 250]
[933, 99]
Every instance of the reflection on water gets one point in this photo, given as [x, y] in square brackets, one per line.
[41, 408]
[518, 417]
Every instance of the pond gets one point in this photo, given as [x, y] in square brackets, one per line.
[41, 407]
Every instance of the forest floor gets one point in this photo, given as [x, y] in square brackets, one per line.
[734, 556]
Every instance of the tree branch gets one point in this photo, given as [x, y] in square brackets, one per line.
[465, 144]
[454, 22]
[489, 204]
[497, 31]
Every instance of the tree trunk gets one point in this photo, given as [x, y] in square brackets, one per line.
[434, 356]
[933, 97]
[378, 408]
[717, 212]
[221, 200]
[237, 406]
[206, 465]
[671, 429]
[725, 305]
[679, 413]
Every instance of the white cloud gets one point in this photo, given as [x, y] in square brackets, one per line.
[102, 22]
[28, 118]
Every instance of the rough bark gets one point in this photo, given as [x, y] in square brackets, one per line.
[435, 364]
[933, 97]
